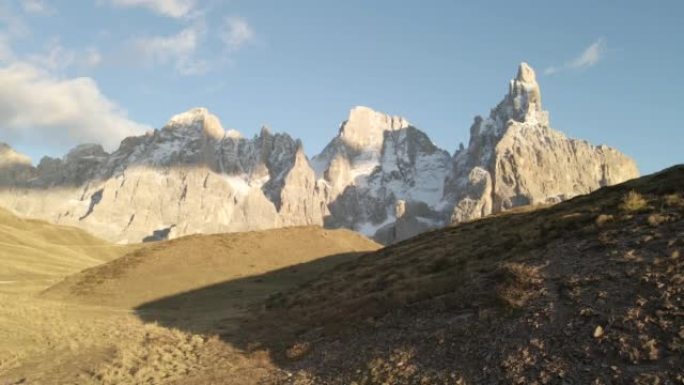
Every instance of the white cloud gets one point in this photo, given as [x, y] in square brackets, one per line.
[39, 103]
[58, 58]
[588, 58]
[35, 7]
[171, 8]
[178, 50]
[236, 32]
[36, 105]
[55, 57]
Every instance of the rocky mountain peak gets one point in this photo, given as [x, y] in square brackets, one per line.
[265, 131]
[234, 134]
[521, 105]
[526, 74]
[365, 127]
[379, 175]
[523, 102]
[14, 166]
[86, 150]
[199, 120]
[515, 158]
[9, 156]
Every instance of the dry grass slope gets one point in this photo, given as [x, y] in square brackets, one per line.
[174, 267]
[36, 251]
[95, 337]
[588, 291]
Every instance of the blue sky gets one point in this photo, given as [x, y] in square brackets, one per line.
[76, 70]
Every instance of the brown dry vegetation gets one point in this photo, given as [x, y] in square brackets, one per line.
[587, 291]
[36, 252]
[174, 267]
[84, 330]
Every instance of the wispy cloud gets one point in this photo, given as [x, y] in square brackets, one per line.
[56, 57]
[588, 58]
[11, 24]
[91, 57]
[236, 33]
[6, 51]
[37, 104]
[169, 8]
[178, 50]
[39, 100]
[36, 7]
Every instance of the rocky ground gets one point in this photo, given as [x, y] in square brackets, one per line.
[584, 292]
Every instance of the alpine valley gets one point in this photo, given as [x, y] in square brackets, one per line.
[380, 176]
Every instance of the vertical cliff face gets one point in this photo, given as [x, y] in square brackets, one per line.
[191, 176]
[352, 156]
[515, 158]
[375, 161]
[380, 175]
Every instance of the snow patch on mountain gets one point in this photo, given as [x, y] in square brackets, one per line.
[379, 175]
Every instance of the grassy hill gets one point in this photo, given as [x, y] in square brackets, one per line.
[174, 267]
[587, 291]
[83, 331]
[36, 251]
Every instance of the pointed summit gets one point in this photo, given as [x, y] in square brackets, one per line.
[523, 101]
[199, 119]
[525, 97]
[515, 158]
[265, 131]
[15, 167]
[9, 156]
[526, 74]
[365, 127]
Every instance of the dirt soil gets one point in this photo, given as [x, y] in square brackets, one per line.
[590, 291]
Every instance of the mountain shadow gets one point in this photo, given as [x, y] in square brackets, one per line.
[214, 309]
[586, 291]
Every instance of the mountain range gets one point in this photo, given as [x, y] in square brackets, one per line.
[380, 175]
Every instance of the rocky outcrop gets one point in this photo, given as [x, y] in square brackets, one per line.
[189, 177]
[380, 175]
[515, 158]
[375, 161]
[14, 166]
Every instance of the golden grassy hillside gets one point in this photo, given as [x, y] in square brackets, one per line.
[36, 251]
[173, 267]
[84, 331]
[587, 291]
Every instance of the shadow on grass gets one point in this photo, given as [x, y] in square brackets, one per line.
[469, 302]
[221, 308]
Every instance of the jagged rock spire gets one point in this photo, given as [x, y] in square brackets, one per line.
[523, 102]
[378, 175]
[515, 158]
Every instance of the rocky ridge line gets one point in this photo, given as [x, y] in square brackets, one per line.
[380, 175]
